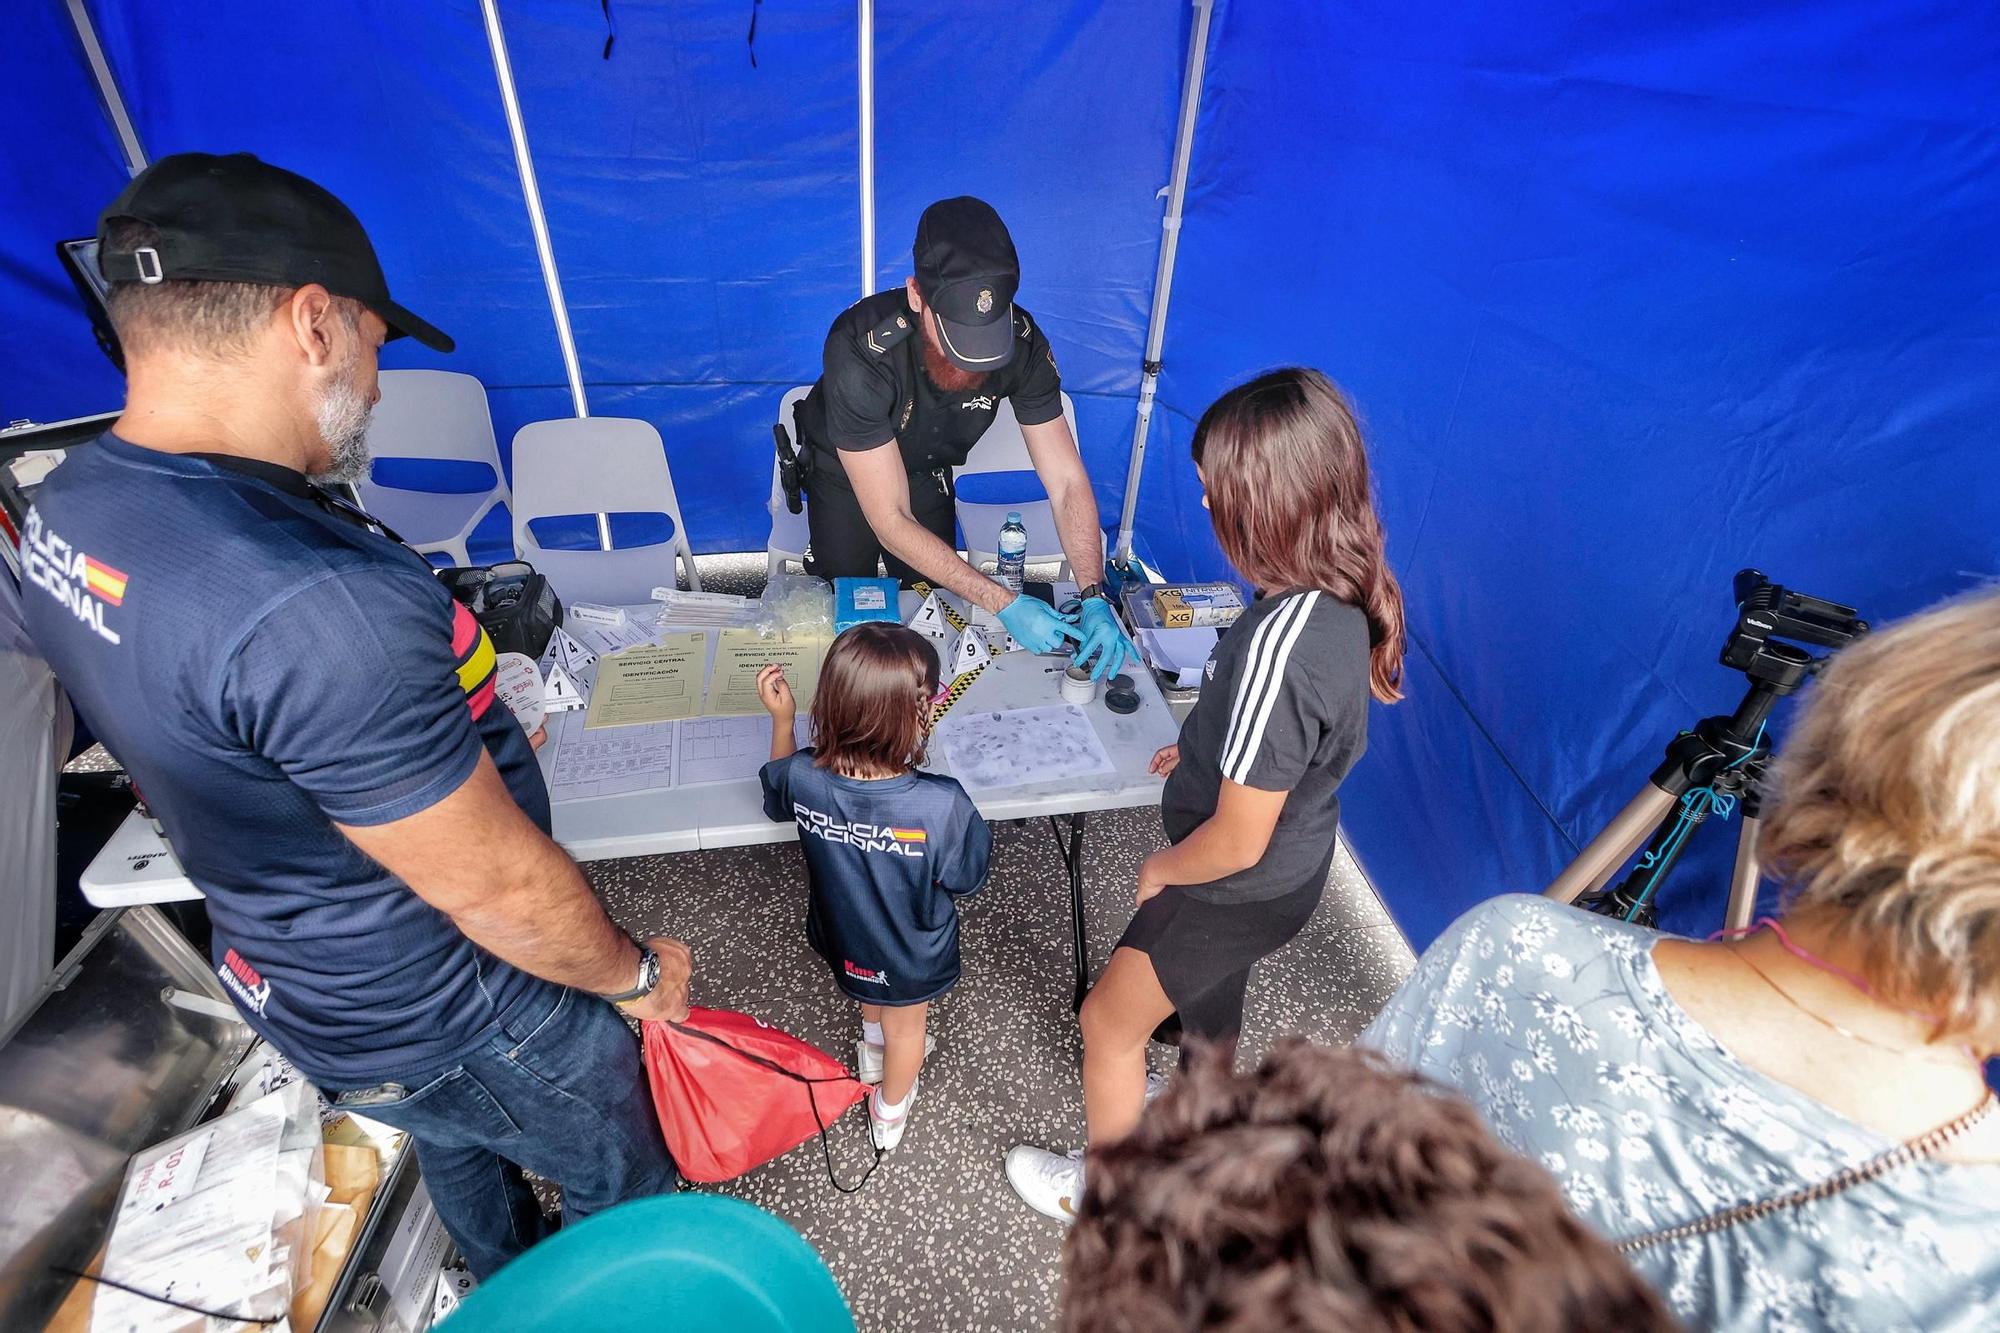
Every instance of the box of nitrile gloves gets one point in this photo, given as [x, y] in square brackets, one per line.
[1197, 605]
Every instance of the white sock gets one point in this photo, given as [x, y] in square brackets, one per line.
[871, 1032]
[894, 1112]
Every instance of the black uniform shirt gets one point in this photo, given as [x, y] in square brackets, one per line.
[874, 387]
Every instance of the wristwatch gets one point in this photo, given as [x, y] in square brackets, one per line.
[1094, 590]
[649, 977]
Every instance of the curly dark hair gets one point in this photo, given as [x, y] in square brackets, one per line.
[1327, 1191]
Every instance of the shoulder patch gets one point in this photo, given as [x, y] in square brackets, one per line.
[1022, 328]
[888, 333]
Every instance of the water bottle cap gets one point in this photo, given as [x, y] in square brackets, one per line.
[1013, 516]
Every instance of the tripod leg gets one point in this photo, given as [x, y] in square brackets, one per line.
[1743, 881]
[1611, 848]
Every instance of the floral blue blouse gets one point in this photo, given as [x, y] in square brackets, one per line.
[1556, 1025]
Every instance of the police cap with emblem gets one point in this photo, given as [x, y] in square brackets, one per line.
[236, 219]
[967, 273]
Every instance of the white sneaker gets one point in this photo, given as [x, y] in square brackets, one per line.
[1051, 1183]
[886, 1132]
[868, 1058]
[1155, 1085]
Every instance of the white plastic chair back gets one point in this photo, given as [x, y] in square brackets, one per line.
[789, 534]
[595, 466]
[1004, 449]
[433, 414]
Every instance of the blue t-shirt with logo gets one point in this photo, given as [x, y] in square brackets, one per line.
[886, 861]
[264, 667]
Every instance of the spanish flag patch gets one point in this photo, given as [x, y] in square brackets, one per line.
[106, 583]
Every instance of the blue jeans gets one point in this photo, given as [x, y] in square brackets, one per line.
[557, 1087]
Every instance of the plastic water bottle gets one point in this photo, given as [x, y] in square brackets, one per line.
[1013, 551]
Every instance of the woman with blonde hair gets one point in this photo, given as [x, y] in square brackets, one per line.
[1787, 1127]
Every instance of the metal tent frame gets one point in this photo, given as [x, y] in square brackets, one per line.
[1170, 223]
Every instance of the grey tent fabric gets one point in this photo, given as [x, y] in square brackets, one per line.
[35, 730]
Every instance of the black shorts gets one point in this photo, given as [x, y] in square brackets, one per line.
[1203, 952]
[844, 546]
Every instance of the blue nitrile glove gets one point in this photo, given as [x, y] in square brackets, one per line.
[1035, 625]
[1103, 639]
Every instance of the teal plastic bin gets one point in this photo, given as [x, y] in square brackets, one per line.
[693, 1261]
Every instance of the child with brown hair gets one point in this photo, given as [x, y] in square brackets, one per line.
[889, 849]
[1251, 805]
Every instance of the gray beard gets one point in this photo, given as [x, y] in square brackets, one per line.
[342, 416]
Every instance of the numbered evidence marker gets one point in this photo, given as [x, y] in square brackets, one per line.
[970, 652]
[562, 693]
[567, 653]
[518, 682]
[929, 619]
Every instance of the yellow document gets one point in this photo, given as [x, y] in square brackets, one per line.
[655, 683]
[741, 653]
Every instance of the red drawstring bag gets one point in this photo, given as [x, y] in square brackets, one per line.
[733, 1092]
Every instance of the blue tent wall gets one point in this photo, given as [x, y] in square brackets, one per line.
[704, 212]
[1628, 297]
[58, 166]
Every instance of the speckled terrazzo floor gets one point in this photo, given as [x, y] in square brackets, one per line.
[937, 1240]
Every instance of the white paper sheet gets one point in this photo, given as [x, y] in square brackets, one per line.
[986, 751]
[722, 749]
[607, 639]
[207, 1238]
[606, 761]
[1183, 653]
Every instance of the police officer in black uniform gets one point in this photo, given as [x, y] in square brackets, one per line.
[912, 379]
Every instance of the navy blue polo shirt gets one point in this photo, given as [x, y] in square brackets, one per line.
[264, 667]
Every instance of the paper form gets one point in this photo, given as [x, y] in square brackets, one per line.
[656, 683]
[632, 632]
[741, 653]
[609, 761]
[724, 749]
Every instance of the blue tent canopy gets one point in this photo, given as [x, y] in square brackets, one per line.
[1628, 296]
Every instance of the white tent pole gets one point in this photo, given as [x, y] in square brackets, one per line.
[866, 62]
[107, 89]
[1163, 280]
[538, 222]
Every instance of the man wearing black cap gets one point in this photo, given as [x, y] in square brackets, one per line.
[312, 718]
[912, 379]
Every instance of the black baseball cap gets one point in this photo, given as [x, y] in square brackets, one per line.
[967, 273]
[236, 219]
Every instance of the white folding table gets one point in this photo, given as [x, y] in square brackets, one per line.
[136, 866]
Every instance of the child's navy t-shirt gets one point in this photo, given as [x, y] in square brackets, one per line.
[884, 860]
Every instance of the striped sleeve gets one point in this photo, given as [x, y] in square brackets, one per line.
[1274, 723]
[359, 688]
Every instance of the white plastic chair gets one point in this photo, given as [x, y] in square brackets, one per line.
[597, 466]
[1004, 449]
[789, 533]
[433, 415]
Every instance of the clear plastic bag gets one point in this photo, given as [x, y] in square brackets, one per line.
[223, 1217]
[796, 602]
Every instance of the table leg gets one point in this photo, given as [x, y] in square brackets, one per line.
[1072, 854]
